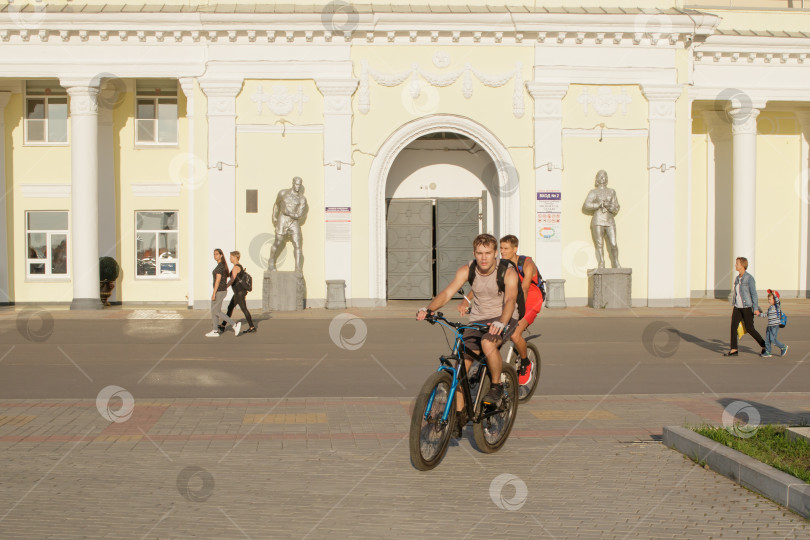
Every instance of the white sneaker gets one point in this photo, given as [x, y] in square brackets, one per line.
[237, 327]
[212, 333]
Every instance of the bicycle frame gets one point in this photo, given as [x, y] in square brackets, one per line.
[460, 375]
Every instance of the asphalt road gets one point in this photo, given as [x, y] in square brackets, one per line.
[171, 358]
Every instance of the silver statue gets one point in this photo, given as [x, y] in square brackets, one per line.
[287, 212]
[603, 204]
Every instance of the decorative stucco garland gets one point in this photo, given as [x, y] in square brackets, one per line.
[441, 80]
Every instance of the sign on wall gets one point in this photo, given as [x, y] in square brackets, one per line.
[549, 212]
[338, 224]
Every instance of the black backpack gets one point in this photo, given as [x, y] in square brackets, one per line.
[503, 266]
[541, 283]
[245, 280]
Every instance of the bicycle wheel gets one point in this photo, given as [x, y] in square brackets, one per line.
[528, 382]
[429, 437]
[493, 430]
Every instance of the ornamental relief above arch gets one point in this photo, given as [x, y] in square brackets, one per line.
[422, 78]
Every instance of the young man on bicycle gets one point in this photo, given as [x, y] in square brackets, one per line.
[533, 300]
[496, 308]
[528, 274]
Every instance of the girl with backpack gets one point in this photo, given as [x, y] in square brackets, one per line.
[239, 291]
[220, 274]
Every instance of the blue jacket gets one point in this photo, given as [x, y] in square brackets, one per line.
[748, 291]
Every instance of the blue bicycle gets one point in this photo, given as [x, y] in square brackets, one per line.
[434, 414]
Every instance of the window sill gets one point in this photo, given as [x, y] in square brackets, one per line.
[47, 280]
[35, 144]
[150, 278]
[152, 146]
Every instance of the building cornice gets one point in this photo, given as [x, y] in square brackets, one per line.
[626, 29]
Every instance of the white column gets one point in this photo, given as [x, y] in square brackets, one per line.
[804, 197]
[5, 293]
[221, 116]
[717, 132]
[548, 166]
[337, 181]
[84, 198]
[744, 197]
[661, 261]
[187, 85]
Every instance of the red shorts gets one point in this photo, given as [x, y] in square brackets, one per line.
[534, 304]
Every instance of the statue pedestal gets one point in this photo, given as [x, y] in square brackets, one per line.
[335, 294]
[283, 291]
[609, 287]
[555, 294]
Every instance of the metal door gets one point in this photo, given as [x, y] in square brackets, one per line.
[410, 249]
[457, 224]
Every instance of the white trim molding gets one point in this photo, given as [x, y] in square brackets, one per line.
[508, 203]
[45, 191]
[605, 133]
[284, 129]
[156, 190]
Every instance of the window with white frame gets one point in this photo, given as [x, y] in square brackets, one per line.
[156, 111]
[46, 236]
[46, 112]
[156, 242]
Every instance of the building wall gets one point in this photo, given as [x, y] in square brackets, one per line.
[392, 107]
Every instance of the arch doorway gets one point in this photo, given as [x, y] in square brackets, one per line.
[435, 184]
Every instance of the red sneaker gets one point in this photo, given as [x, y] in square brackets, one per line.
[525, 377]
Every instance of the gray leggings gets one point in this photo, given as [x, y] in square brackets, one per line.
[216, 310]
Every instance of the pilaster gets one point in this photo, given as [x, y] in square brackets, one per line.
[337, 160]
[5, 283]
[548, 167]
[221, 115]
[803, 188]
[661, 260]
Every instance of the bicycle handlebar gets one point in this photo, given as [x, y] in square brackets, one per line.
[437, 316]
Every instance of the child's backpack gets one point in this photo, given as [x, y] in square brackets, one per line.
[782, 320]
[245, 280]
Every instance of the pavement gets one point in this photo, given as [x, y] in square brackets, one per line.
[317, 461]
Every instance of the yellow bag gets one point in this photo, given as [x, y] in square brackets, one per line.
[740, 330]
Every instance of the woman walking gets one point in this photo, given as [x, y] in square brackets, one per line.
[746, 305]
[220, 290]
[239, 292]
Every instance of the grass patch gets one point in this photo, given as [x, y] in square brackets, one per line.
[769, 445]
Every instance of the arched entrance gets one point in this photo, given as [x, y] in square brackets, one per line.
[505, 196]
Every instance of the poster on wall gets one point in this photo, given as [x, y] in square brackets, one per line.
[338, 224]
[549, 212]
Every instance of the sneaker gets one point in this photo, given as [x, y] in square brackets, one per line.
[784, 351]
[237, 327]
[250, 330]
[494, 396]
[221, 328]
[212, 333]
[525, 374]
[766, 355]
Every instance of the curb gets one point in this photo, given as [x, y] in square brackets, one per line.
[746, 471]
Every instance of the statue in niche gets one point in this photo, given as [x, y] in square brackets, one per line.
[287, 215]
[602, 203]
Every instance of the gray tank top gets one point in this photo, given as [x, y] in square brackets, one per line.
[488, 303]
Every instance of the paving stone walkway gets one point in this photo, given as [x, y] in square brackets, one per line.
[575, 467]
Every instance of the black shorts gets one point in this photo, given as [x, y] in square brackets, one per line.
[473, 336]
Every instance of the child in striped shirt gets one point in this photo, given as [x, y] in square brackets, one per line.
[774, 315]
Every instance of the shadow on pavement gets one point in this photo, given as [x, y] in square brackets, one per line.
[767, 413]
[714, 345]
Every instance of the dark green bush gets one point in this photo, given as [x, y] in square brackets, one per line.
[108, 269]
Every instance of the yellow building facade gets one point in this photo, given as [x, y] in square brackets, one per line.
[155, 134]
